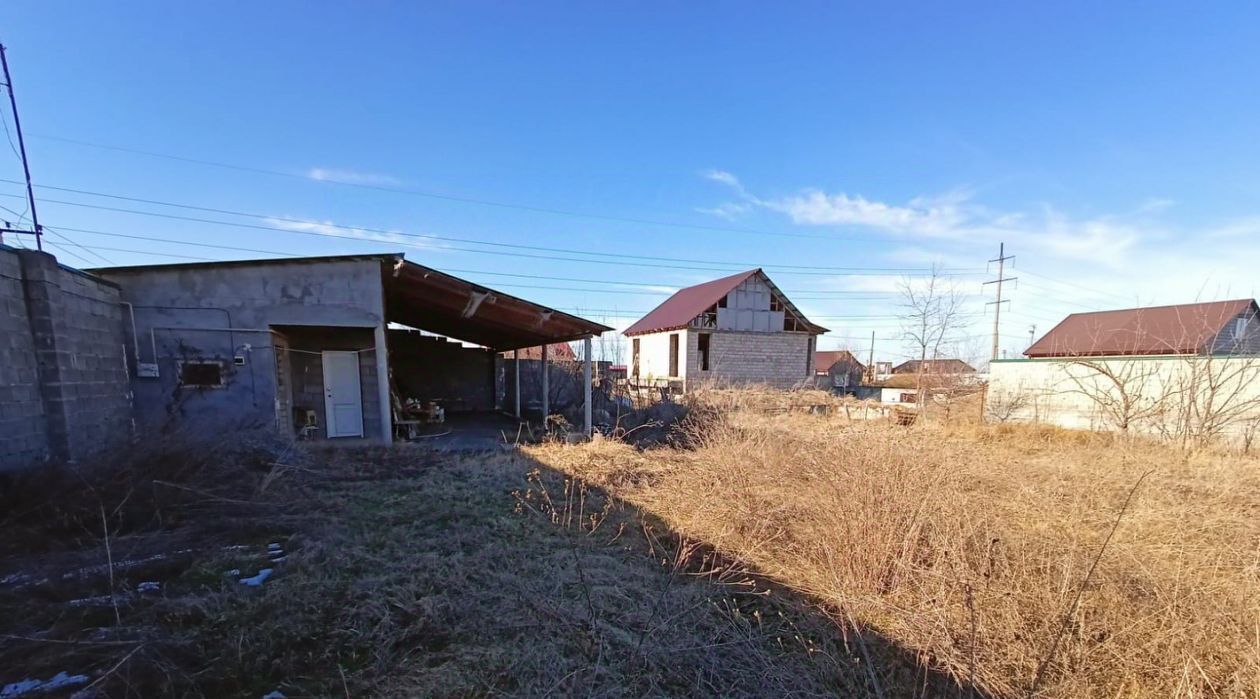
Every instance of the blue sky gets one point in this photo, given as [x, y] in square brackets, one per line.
[1114, 147]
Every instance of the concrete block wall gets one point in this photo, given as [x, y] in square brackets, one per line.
[64, 383]
[183, 313]
[306, 366]
[782, 359]
[429, 368]
[23, 438]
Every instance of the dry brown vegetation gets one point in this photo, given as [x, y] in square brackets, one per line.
[767, 546]
[969, 545]
[406, 573]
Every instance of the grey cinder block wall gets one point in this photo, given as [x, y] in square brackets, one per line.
[781, 360]
[64, 386]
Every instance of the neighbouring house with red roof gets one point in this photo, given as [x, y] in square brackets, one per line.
[558, 352]
[739, 329]
[938, 367]
[1182, 371]
[837, 370]
[1215, 327]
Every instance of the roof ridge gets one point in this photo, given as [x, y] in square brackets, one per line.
[1156, 308]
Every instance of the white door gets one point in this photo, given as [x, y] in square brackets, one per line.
[343, 398]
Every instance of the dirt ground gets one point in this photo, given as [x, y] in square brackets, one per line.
[394, 573]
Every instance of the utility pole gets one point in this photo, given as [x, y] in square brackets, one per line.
[26, 168]
[997, 304]
[870, 360]
[1032, 334]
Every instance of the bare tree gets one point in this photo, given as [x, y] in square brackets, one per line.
[1214, 395]
[1125, 390]
[932, 313]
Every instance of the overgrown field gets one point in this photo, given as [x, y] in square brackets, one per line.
[395, 573]
[986, 551]
[750, 550]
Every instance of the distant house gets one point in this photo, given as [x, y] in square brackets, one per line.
[558, 352]
[739, 329]
[938, 367]
[1166, 370]
[1218, 327]
[837, 370]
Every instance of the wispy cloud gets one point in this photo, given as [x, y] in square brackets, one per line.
[728, 210]
[1065, 263]
[333, 229]
[323, 174]
[953, 216]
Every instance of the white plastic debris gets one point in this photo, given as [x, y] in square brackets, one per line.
[27, 686]
[149, 586]
[257, 580]
[234, 573]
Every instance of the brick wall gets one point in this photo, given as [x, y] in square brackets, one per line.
[780, 359]
[64, 383]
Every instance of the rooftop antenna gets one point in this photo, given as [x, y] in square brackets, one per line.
[26, 167]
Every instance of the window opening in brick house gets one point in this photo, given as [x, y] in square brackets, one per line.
[673, 354]
[201, 374]
[634, 357]
[702, 343]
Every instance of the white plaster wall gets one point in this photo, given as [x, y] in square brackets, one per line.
[893, 395]
[1043, 390]
[654, 354]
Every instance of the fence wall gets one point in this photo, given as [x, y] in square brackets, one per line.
[64, 390]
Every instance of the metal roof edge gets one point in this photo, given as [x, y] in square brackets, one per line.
[125, 269]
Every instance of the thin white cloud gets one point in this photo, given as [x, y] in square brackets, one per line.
[1065, 263]
[332, 229]
[323, 174]
[728, 210]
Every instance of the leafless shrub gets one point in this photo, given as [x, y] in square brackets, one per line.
[968, 543]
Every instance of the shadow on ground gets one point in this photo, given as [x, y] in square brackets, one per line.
[416, 572]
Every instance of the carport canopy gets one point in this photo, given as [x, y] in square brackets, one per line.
[426, 299]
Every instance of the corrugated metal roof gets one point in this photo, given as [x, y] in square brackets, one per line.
[424, 298]
[935, 366]
[825, 359]
[1179, 329]
[678, 310]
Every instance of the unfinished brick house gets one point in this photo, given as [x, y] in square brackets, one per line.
[739, 329]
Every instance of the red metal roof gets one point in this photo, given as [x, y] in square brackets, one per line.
[1179, 329]
[935, 366]
[678, 310]
[825, 359]
[560, 351]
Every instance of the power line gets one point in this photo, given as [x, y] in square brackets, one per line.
[733, 267]
[429, 236]
[799, 294]
[26, 165]
[99, 256]
[454, 198]
[361, 239]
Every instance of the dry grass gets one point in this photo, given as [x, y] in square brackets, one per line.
[968, 544]
[407, 573]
